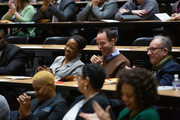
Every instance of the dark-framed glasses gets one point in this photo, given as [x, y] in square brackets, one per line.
[152, 49]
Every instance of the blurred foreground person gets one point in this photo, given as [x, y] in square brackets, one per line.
[138, 89]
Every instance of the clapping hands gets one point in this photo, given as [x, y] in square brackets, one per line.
[97, 59]
[95, 3]
[12, 7]
[44, 68]
[25, 105]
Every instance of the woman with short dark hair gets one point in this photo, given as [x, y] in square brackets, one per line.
[90, 83]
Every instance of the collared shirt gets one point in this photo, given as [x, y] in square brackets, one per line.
[73, 112]
[114, 54]
[54, 18]
[58, 1]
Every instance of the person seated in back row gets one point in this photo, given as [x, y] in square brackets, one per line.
[111, 60]
[56, 10]
[98, 10]
[70, 64]
[20, 11]
[138, 89]
[176, 14]
[143, 8]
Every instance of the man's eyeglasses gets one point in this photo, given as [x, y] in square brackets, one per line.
[152, 49]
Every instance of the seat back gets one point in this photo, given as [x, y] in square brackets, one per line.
[18, 39]
[56, 40]
[142, 41]
[93, 42]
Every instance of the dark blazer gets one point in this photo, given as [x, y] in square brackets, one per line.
[12, 61]
[87, 107]
[65, 12]
[52, 109]
[166, 74]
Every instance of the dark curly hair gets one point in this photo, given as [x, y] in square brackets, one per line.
[80, 40]
[144, 83]
[96, 75]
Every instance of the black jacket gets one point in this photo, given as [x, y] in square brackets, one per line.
[12, 61]
[87, 107]
[52, 109]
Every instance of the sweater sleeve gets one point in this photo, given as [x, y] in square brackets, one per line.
[107, 13]
[83, 15]
[27, 14]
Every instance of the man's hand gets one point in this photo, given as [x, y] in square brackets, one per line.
[176, 17]
[95, 3]
[123, 10]
[139, 12]
[45, 5]
[97, 59]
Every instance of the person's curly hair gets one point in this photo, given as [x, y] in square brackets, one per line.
[144, 83]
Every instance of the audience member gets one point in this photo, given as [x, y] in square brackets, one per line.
[176, 15]
[111, 60]
[98, 10]
[164, 67]
[70, 64]
[137, 88]
[47, 105]
[12, 60]
[20, 11]
[90, 83]
[4, 109]
[56, 10]
[143, 8]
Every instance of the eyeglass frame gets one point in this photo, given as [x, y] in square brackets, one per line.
[152, 49]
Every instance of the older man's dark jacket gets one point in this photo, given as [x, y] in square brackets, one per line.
[165, 75]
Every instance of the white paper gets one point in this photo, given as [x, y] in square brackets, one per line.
[110, 21]
[175, 50]
[165, 87]
[18, 77]
[31, 47]
[3, 80]
[124, 49]
[164, 17]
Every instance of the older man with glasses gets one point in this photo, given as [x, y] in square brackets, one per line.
[164, 66]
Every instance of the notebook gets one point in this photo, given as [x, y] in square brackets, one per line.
[164, 17]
